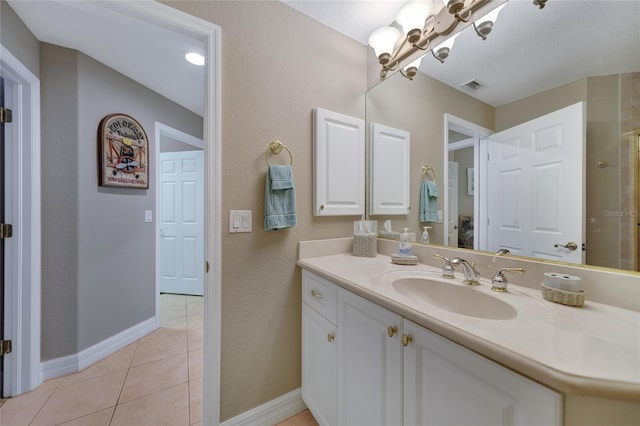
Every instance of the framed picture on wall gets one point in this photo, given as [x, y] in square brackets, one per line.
[123, 152]
[470, 184]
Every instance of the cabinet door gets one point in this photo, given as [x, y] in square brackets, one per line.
[319, 366]
[390, 170]
[446, 384]
[338, 164]
[369, 363]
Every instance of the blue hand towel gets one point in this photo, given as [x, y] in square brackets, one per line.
[279, 199]
[428, 201]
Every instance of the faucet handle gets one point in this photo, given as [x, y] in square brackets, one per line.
[447, 269]
[499, 281]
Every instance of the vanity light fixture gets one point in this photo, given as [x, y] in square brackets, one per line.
[441, 51]
[484, 25]
[410, 70]
[194, 58]
[425, 21]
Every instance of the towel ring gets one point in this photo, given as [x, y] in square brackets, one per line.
[425, 173]
[276, 147]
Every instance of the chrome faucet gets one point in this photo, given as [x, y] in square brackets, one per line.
[471, 274]
[447, 269]
[499, 281]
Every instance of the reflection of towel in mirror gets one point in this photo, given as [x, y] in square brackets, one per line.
[279, 199]
[428, 201]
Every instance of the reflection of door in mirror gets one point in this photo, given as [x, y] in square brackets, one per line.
[535, 197]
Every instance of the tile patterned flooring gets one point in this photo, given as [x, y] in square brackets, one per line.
[154, 381]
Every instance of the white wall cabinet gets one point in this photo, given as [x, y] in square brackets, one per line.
[446, 384]
[386, 370]
[339, 156]
[390, 170]
[369, 363]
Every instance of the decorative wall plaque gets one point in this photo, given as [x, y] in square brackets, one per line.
[123, 151]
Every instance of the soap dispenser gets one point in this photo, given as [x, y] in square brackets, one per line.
[425, 235]
[404, 248]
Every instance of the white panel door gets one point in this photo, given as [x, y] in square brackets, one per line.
[536, 187]
[390, 170]
[339, 145]
[182, 222]
[369, 363]
[448, 385]
[452, 211]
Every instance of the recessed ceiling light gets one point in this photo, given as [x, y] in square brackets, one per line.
[194, 58]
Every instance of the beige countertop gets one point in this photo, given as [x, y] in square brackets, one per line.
[591, 350]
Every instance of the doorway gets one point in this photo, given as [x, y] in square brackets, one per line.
[462, 145]
[25, 298]
[21, 257]
[180, 213]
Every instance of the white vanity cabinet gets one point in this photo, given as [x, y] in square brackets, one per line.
[446, 384]
[319, 348]
[369, 363]
[363, 364]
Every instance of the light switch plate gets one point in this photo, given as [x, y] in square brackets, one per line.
[148, 216]
[239, 221]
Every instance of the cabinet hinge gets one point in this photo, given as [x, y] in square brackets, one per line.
[6, 115]
[5, 347]
[6, 231]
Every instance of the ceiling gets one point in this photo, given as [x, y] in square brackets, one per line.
[153, 55]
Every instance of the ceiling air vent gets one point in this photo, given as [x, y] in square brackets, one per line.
[472, 84]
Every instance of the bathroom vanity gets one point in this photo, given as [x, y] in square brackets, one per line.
[390, 345]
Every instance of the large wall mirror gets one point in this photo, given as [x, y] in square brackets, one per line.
[533, 63]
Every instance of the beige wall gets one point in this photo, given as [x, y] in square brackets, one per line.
[277, 65]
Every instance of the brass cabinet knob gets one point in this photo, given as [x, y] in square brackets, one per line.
[331, 337]
[406, 339]
[316, 294]
[391, 330]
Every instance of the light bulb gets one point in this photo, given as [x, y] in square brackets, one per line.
[383, 40]
[411, 18]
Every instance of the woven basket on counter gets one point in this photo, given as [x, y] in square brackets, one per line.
[569, 298]
[365, 245]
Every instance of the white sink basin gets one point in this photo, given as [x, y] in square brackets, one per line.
[454, 297]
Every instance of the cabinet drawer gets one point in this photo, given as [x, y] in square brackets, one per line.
[321, 295]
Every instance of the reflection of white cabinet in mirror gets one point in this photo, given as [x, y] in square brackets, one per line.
[339, 151]
[390, 170]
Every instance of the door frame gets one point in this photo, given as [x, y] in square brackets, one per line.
[23, 250]
[169, 17]
[163, 129]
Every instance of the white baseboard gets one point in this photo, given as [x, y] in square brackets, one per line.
[76, 362]
[271, 412]
[59, 367]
